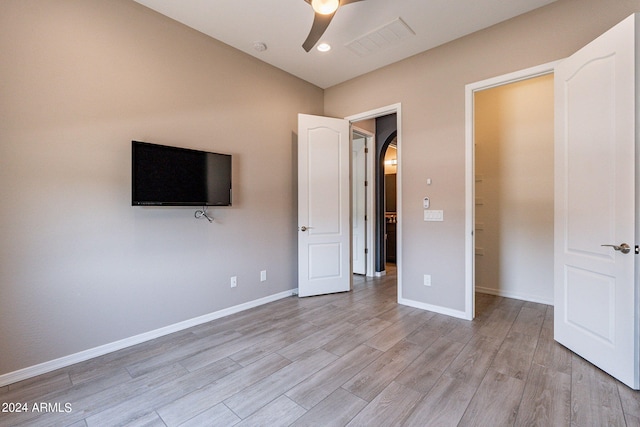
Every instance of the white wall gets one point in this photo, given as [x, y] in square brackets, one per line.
[79, 266]
[430, 87]
[514, 189]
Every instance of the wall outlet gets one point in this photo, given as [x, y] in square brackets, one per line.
[263, 276]
[234, 281]
[427, 280]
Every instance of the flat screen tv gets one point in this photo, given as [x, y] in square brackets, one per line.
[172, 176]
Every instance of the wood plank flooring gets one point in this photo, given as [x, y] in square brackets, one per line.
[356, 359]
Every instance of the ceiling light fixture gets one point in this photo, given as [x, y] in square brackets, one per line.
[324, 47]
[325, 7]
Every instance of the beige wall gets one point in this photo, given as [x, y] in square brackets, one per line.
[79, 79]
[368, 125]
[514, 189]
[430, 87]
[79, 266]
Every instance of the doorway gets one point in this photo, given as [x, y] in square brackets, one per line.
[377, 215]
[325, 220]
[509, 197]
[383, 191]
[390, 160]
[514, 190]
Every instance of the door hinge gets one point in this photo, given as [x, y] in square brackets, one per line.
[365, 218]
[366, 250]
[366, 183]
[366, 150]
[637, 250]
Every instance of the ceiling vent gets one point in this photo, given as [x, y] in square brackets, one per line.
[381, 38]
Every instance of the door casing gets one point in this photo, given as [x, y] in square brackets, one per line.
[470, 89]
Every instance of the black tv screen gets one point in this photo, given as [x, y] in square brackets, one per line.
[172, 176]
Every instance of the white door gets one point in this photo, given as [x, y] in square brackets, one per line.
[359, 212]
[595, 203]
[324, 231]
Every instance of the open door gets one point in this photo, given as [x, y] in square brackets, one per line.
[596, 294]
[359, 203]
[324, 216]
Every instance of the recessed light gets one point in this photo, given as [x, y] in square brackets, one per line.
[324, 47]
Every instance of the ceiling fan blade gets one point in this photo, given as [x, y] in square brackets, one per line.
[320, 24]
[344, 2]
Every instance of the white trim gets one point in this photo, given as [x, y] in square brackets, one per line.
[514, 295]
[383, 111]
[62, 362]
[378, 112]
[434, 308]
[470, 89]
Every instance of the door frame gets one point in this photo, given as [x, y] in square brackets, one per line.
[372, 114]
[369, 196]
[470, 215]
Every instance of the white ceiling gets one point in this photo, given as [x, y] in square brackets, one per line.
[284, 24]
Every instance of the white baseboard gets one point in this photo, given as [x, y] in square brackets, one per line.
[52, 365]
[514, 295]
[435, 308]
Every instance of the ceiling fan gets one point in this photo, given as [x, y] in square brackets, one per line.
[324, 11]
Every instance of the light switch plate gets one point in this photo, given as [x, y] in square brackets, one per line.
[433, 215]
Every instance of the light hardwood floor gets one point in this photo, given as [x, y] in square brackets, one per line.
[356, 359]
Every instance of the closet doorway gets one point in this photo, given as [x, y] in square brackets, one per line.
[512, 208]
